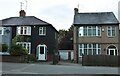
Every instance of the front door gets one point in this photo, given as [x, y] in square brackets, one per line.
[111, 51]
[42, 52]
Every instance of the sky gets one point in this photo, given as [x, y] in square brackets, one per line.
[59, 13]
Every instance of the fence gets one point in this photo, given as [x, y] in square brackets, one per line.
[100, 60]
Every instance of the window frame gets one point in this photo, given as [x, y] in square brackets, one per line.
[82, 48]
[2, 29]
[110, 30]
[23, 30]
[85, 31]
[26, 46]
[43, 31]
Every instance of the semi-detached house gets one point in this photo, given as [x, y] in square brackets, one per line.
[40, 37]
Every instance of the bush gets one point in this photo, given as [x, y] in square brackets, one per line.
[4, 47]
[17, 50]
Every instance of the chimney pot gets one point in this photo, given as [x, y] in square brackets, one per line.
[22, 13]
[75, 11]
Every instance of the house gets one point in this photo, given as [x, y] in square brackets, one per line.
[38, 36]
[95, 34]
[5, 35]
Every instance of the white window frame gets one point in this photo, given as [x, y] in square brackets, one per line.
[22, 32]
[42, 30]
[81, 31]
[82, 48]
[2, 30]
[28, 46]
[111, 33]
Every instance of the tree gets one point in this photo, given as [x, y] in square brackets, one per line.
[4, 47]
[66, 39]
[17, 50]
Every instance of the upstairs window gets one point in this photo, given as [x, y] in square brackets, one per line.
[24, 30]
[90, 31]
[111, 31]
[2, 30]
[42, 30]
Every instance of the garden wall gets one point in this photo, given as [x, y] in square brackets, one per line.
[100, 60]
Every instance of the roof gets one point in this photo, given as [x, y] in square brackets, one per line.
[24, 20]
[95, 18]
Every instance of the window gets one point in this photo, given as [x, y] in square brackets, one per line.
[26, 45]
[24, 30]
[89, 49]
[2, 30]
[111, 31]
[42, 50]
[42, 30]
[90, 31]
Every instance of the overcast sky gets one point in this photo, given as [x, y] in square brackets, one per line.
[59, 13]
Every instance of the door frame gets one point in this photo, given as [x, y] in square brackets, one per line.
[41, 56]
[110, 50]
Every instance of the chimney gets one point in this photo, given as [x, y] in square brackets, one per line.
[22, 13]
[75, 11]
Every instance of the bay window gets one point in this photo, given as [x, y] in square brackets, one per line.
[89, 49]
[26, 45]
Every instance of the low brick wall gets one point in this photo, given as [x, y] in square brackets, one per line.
[100, 60]
[8, 58]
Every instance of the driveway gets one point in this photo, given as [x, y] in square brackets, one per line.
[48, 68]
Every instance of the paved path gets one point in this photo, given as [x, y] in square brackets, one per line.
[47, 68]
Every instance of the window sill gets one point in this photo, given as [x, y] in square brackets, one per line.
[111, 36]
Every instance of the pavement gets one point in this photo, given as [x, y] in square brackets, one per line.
[61, 69]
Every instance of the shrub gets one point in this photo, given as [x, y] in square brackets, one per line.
[4, 47]
[17, 50]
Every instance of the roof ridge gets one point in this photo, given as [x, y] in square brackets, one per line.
[93, 12]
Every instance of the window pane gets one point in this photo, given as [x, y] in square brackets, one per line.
[89, 31]
[44, 30]
[40, 30]
[94, 31]
[41, 50]
[99, 31]
[89, 51]
[21, 32]
[85, 51]
[85, 45]
[99, 51]
[113, 31]
[80, 45]
[85, 31]
[25, 30]
[80, 52]
[81, 31]
[94, 45]
[94, 52]
[29, 31]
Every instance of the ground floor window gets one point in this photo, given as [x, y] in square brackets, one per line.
[26, 45]
[89, 49]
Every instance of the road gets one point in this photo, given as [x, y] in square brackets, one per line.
[45, 69]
